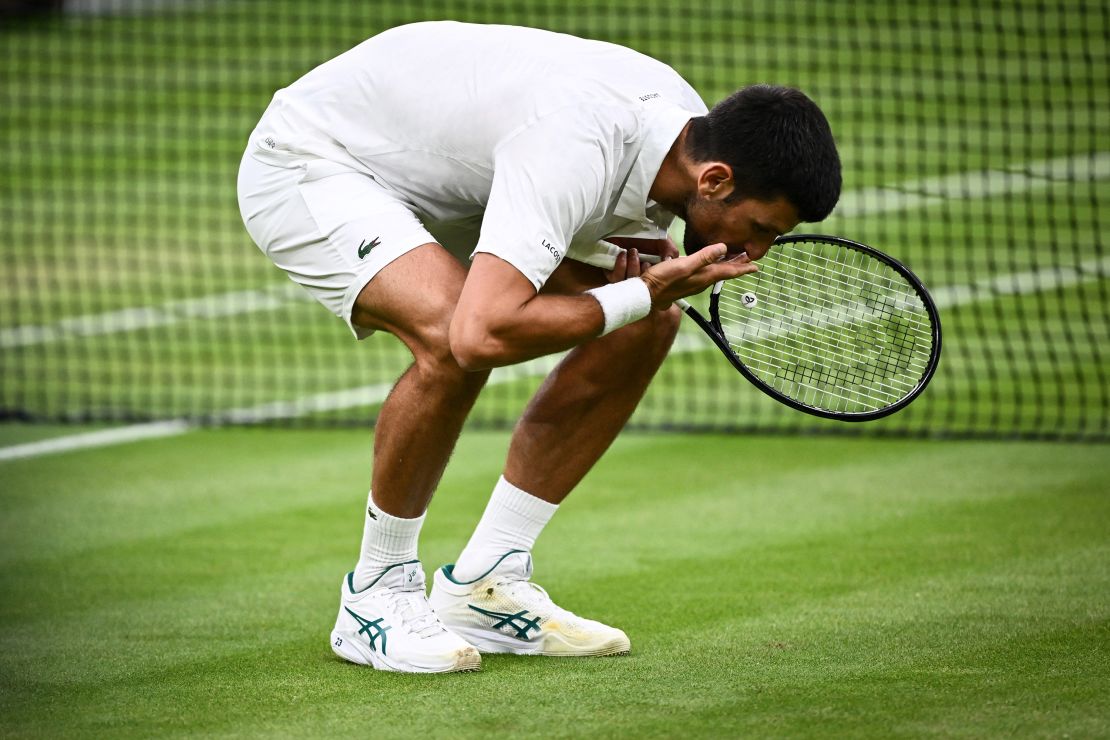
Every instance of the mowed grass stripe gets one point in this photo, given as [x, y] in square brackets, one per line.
[773, 586]
[770, 505]
[249, 473]
[950, 646]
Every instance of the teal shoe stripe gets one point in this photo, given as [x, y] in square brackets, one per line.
[366, 625]
[449, 569]
[351, 576]
[510, 621]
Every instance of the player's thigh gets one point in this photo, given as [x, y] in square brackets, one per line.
[414, 297]
[345, 239]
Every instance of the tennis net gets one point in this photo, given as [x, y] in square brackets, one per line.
[974, 136]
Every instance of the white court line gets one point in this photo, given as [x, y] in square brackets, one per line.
[982, 184]
[1021, 283]
[1017, 283]
[865, 202]
[908, 195]
[102, 438]
[367, 395]
[214, 306]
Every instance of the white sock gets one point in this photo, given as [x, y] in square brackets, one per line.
[386, 540]
[512, 521]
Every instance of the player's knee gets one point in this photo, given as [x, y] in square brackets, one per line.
[660, 329]
[439, 369]
[668, 322]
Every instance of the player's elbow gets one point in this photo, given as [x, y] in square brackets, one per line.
[475, 345]
[473, 356]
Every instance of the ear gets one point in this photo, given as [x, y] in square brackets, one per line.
[715, 181]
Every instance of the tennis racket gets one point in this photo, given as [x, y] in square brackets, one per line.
[827, 326]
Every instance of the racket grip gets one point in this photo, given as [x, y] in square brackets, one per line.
[683, 304]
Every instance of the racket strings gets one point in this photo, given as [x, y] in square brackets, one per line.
[864, 386]
[800, 372]
[877, 344]
[787, 321]
[735, 312]
[835, 273]
[813, 321]
[808, 372]
[818, 351]
[817, 291]
[843, 332]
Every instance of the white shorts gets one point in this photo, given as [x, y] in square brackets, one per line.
[330, 229]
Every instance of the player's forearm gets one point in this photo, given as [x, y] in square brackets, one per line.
[499, 319]
[541, 326]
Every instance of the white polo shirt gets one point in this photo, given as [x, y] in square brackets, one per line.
[552, 142]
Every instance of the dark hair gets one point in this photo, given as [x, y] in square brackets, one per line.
[778, 143]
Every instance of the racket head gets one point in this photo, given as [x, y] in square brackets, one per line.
[831, 327]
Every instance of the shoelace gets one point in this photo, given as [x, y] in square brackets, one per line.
[415, 612]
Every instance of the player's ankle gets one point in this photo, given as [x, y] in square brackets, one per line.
[386, 541]
[512, 521]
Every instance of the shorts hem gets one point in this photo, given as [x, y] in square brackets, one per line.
[382, 259]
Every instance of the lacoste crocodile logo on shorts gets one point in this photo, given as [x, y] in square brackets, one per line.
[365, 247]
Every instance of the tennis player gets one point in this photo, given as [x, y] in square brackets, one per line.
[485, 194]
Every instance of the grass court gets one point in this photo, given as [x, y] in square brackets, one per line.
[771, 586]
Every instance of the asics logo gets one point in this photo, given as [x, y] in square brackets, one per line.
[509, 622]
[372, 629]
[365, 247]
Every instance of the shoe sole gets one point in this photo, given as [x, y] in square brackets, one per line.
[499, 644]
[467, 660]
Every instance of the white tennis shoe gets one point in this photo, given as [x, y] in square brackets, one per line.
[503, 612]
[390, 626]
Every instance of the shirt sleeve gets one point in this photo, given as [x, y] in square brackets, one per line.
[550, 180]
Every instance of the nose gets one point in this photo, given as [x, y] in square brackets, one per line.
[756, 248]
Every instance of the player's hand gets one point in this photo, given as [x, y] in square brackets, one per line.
[631, 261]
[670, 250]
[628, 265]
[680, 277]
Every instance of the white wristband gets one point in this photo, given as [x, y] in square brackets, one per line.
[622, 303]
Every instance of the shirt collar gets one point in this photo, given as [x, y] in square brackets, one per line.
[661, 127]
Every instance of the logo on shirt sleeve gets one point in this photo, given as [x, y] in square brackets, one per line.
[554, 252]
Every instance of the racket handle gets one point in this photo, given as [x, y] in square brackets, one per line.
[681, 303]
